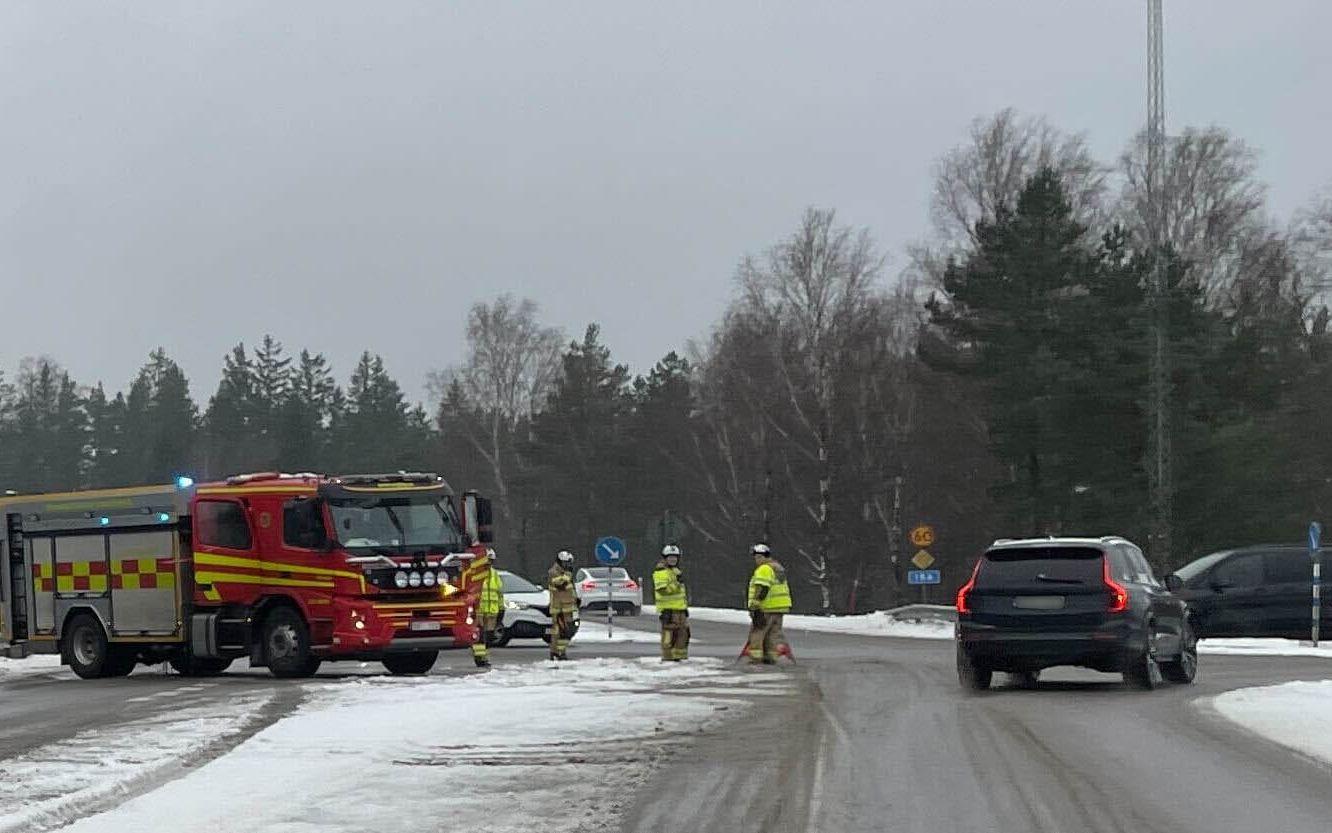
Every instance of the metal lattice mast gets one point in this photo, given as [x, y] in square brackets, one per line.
[1162, 486]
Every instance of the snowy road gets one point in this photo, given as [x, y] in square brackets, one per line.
[867, 733]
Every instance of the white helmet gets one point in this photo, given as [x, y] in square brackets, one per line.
[761, 549]
[564, 557]
[490, 553]
[670, 549]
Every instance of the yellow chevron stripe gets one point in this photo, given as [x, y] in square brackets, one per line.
[248, 578]
[259, 564]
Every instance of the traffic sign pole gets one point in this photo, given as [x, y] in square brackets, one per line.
[1315, 548]
[611, 552]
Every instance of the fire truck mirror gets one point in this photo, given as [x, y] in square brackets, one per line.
[483, 521]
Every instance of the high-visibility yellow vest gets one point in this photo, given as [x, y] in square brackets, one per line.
[669, 592]
[492, 594]
[771, 575]
[559, 583]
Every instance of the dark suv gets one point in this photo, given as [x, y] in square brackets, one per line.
[1091, 602]
[1253, 591]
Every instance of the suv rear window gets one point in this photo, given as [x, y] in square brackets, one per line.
[1028, 566]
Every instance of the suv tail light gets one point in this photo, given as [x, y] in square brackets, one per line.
[965, 590]
[631, 585]
[1119, 597]
[589, 585]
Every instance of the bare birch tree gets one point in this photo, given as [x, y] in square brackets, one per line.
[815, 289]
[990, 169]
[1213, 202]
[512, 360]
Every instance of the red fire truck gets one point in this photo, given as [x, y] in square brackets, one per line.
[287, 570]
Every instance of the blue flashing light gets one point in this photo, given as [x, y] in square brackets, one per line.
[184, 482]
[163, 517]
[104, 521]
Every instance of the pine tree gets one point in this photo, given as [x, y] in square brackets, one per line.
[106, 418]
[160, 422]
[375, 432]
[232, 419]
[305, 415]
[579, 447]
[51, 429]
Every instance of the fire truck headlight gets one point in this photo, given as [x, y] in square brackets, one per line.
[414, 579]
[360, 624]
[428, 579]
[400, 579]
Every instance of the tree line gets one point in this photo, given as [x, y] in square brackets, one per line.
[995, 386]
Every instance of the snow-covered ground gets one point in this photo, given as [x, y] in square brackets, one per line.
[879, 623]
[593, 632]
[1264, 648]
[1297, 715]
[51, 784]
[547, 746]
[33, 666]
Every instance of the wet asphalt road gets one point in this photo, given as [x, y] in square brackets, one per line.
[879, 737]
[874, 735]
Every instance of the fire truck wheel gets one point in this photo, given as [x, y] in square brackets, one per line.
[88, 651]
[286, 641]
[418, 663]
[200, 666]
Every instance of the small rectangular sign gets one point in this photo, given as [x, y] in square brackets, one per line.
[922, 576]
[425, 626]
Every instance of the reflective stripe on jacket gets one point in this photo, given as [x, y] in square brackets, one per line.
[771, 575]
[668, 591]
[492, 594]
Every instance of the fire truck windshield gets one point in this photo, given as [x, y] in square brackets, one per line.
[397, 523]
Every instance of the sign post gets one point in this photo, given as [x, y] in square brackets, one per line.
[610, 552]
[1315, 546]
[922, 535]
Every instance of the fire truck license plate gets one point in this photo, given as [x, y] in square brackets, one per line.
[425, 626]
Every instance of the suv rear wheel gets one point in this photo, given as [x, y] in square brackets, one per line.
[970, 675]
[1143, 671]
[1184, 669]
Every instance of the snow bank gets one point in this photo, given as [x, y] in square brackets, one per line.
[544, 747]
[33, 666]
[52, 784]
[1297, 715]
[880, 623]
[1264, 648]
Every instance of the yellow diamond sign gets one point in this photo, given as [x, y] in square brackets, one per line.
[922, 560]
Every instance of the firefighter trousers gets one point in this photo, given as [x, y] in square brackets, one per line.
[766, 638]
[487, 624]
[675, 634]
[560, 632]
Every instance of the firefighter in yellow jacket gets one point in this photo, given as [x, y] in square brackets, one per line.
[489, 609]
[563, 604]
[769, 600]
[672, 600]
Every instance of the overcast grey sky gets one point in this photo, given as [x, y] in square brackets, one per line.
[355, 175]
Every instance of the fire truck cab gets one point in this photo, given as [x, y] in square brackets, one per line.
[287, 570]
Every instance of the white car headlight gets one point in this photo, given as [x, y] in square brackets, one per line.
[512, 605]
[400, 579]
[414, 579]
[428, 579]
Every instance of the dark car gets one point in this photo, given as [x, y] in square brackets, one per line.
[1090, 602]
[1252, 591]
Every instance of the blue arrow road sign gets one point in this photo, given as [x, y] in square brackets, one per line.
[922, 576]
[1315, 536]
[611, 551]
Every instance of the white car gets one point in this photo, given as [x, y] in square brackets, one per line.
[593, 586]
[526, 609]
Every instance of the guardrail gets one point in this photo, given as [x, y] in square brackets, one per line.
[923, 613]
